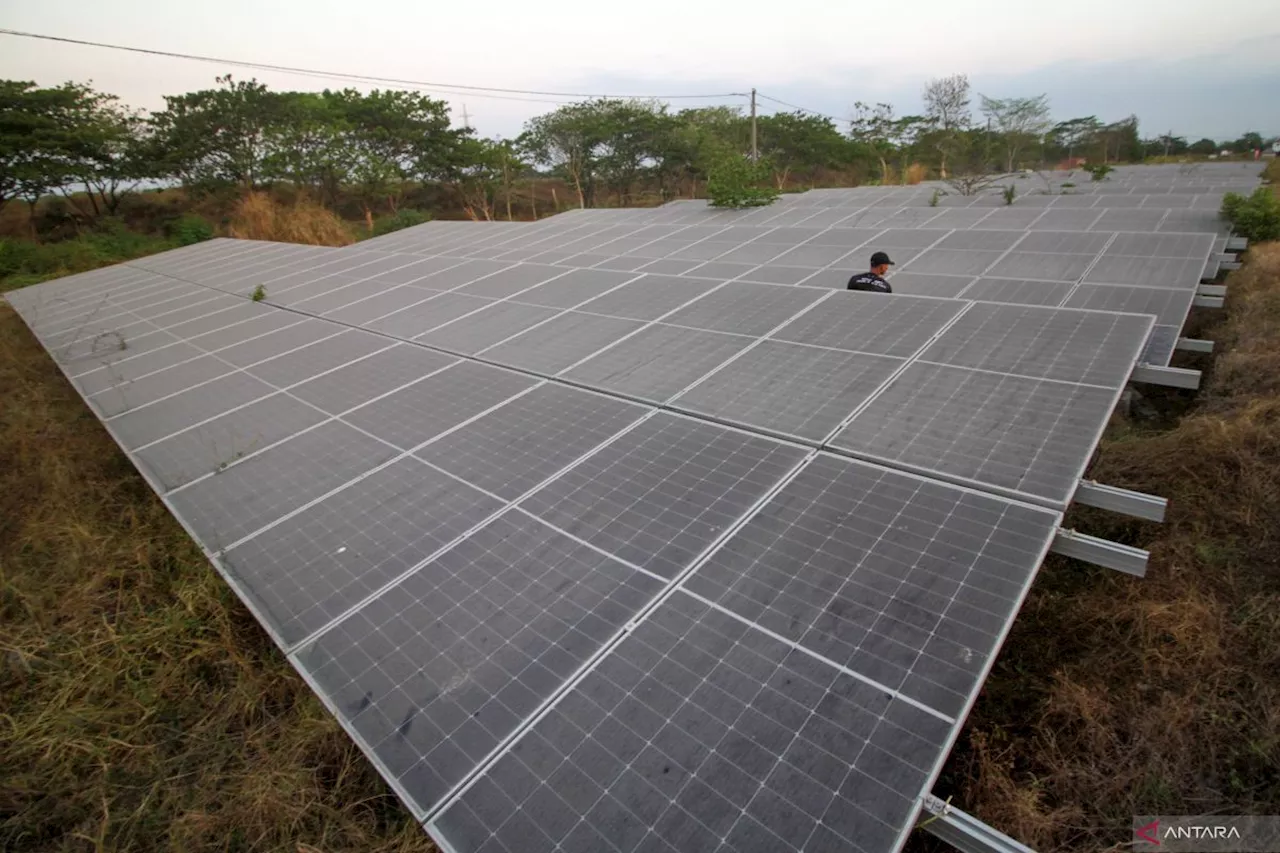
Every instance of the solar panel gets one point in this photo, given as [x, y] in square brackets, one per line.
[526, 600]
[787, 701]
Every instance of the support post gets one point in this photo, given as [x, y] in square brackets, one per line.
[1212, 290]
[755, 153]
[963, 831]
[1230, 265]
[1125, 501]
[1207, 302]
[1100, 552]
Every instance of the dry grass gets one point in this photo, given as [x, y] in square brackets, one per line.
[915, 173]
[141, 707]
[258, 216]
[1117, 696]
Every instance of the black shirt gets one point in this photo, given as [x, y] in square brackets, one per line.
[869, 281]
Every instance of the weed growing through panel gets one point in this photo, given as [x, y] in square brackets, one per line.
[259, 293]
[1010, 193]
[933, 199]
[1099, 171]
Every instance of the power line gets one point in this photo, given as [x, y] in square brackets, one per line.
[366, 78]
[798, 107]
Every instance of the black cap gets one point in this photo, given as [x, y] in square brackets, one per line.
[880, 258]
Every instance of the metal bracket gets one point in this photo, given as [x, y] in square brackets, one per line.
[1174, 377]
[1124, 501]
[1193, 345]
[1223, 257]
[1207, 302]
[1230, 265]
[1100, 552]
[1237, 244]
[964, 831]
[1212, 290]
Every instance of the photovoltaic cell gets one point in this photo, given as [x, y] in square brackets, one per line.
[260, 489]
[700, 733]
[321, 562]
[437, 670]
[1019, 292]
[905, 581]
[1170, 306]
[788, 389]
[497, 322]
[428, 407]
[187, 408]
[660, 494]
[1013, 433]
[658, 362]
[1083, 346]
[746, 309]
[560, 342]
[358, 382]
[517, 446]
[207, 447]
[867, 322]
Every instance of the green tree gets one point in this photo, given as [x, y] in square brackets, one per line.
[1066, 138]
[1019, 122]
[569, 140]
[218, 136]
[800, 143]
[1204, 146]
[875, 128]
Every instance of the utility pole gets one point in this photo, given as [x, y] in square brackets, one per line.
[755, 153]
[466, 119]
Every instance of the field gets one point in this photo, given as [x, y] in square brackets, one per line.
[141, 707]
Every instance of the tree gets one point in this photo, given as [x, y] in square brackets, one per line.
[800, 142]
[218, 136]
[875, 127]
[1067, 136]
[1021, 122]
[1247, 143]
[108, 151]
[946, 101]
[1204, 146]
[569, 140]
[1120, 141]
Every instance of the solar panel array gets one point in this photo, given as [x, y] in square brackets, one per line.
[648, 553]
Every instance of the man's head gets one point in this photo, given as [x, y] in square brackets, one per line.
[880, 263]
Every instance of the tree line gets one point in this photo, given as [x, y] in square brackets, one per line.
[92, 148]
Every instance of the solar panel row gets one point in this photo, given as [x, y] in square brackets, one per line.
[701, 572]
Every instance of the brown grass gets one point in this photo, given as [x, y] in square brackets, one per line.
[915, 173]
[1117, 696]
[141, 707]
[258, 216]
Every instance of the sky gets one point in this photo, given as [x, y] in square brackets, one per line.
[1195, 67]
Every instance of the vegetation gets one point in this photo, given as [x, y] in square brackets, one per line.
[1255, 216]
[1099, 171]
[737, 182]
[258, 216]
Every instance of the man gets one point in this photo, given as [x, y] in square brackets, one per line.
[874, 280]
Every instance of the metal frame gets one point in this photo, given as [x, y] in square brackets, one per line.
[1211, 290]
[963, 831]
[1100, 552]
[1230, 265]
[1193, 345]
[1173, 377]
[1237, 244]
[1125, 501]
[1207, 302]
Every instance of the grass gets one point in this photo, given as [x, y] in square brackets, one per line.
[258, 216]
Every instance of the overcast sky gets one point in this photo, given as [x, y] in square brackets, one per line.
[1199, 68]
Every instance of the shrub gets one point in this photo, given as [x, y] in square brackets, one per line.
[1099, 171]
[1010, 193]
[257, 216]
[189, 229]
[915, 173]
[933, 199]
[1255, 217]
[736, 182]
[401, 219]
